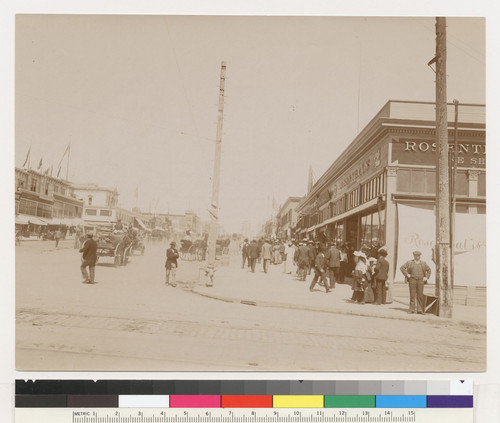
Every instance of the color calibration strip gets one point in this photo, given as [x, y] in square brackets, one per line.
[244, 394]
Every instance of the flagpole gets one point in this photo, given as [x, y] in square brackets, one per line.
[67, 166]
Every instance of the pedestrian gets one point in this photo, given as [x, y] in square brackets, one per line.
[244, 253]
[282, 251]
[360, 277]
[253, 253]
[312, 256]
[289, 254]
[381, 275]
[416, 273]
[260, 243]
[343, 263]
[89, 259]
[171, 264]
[320, 266]
[78, 237]
[267, 255]
[333, 261]
[57, 236]
[302, 260]
[370, 286]
[276, 253]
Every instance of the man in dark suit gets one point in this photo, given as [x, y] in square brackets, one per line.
[320, 271]
[333, 260]
[244, 253]
[171, 264]
[381, 274]
[253, 253]
[89, 258]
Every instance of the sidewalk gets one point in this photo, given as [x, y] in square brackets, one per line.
[277, 289]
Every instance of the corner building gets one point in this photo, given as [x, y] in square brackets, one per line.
[382, 189]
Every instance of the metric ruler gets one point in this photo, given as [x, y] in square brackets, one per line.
[226, 415]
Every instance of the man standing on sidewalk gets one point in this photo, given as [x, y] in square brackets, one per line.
[253, 253]
[267, 255]
[89, 258]
[381, 274]
[171, 264]
[57, 236]
[333, 260]
[244, 253]
[416, 272]
[320, 271]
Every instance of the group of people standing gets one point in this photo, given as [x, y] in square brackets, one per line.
[332, 263]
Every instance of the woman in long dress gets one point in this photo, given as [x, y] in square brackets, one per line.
[289, 253]
[360, 279]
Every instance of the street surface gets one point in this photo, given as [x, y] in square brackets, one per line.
[130, 320]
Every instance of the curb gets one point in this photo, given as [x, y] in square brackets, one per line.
[326, 310]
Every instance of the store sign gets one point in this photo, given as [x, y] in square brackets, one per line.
[469, 154]
[417, 231]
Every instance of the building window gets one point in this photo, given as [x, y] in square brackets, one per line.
[89, 200]
[404, 178]
[417, 181]
[105, 212]
[56, 188]
[372, 230]
[20, 183]
[91, 212]
[33, 185]
[462, 184]
[481, 184]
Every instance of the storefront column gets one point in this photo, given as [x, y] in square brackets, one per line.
[473, 178]
[391, 219]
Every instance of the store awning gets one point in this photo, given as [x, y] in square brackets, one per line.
[141, 224]
[24, 219]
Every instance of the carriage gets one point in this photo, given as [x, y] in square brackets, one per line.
[191, 251]
[115, 244]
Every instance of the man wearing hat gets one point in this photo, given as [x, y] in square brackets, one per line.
[244, 253]
[89, 258]
[171, 264]
[267, 254]
[381, 275]
[416, 272]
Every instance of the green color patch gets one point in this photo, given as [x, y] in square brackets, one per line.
[349, 401]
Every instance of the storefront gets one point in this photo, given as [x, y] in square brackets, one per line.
[382, 188]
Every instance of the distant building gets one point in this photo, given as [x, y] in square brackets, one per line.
[287, 217]
[100, 205]
[42, 200]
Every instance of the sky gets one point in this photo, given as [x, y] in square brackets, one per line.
[136, 96]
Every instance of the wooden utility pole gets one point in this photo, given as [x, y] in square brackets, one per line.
[453, 192]
[67, 165]
[214, 206]
[443, 284]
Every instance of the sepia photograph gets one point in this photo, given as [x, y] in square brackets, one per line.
[250, 193]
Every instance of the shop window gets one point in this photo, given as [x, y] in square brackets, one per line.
[417, 180]
[105, 212]
[430, 181]
[91, 212]
[462, 184]
[404, 178]
[481, 185]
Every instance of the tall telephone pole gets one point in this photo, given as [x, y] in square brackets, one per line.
[214, 206]
[444, 290]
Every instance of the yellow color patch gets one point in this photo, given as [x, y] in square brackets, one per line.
[298, 401]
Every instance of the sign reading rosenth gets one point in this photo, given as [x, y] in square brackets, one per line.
[469, 154]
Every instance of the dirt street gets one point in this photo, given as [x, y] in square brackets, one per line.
[130, 320]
